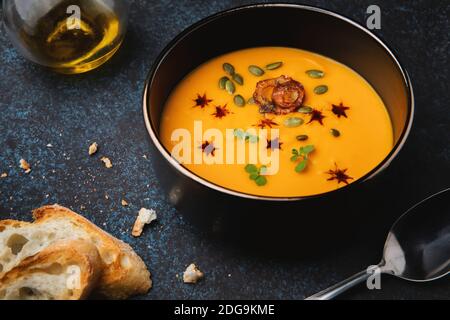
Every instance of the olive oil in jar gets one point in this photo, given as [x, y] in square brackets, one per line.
[74, 36]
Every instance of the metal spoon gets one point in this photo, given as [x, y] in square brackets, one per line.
[417, 247]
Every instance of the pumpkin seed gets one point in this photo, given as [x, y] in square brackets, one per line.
[228, 68]
[321, 89]
[274, 65]
[335, 132]
[255, 70]
[293, 122]
[316, 74]
[251, 100]
[229, 86]
[302, 137]
[238, 79]
[222, 82]
[239, 100]
[305, 109]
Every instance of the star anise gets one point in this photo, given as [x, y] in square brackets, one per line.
[339, 174]
[316, 115]
[266, 123]
[201, 101]
[274, 144]
[221, 111]
[339, 110]
[208, 148]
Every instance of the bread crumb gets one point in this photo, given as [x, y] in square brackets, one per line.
[145, 216]
[124, 203]
[3, 175]
[93, 148]
[106, 162]
[192, 274]
[25, 165]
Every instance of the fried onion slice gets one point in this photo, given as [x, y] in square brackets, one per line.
[280, 95]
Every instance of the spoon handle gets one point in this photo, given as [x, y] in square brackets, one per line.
[342, 286]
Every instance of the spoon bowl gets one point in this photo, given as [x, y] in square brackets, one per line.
[417, 247]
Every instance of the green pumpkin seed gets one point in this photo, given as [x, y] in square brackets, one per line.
[251, 100]
[228, 68]
[316, 74]
[256, 71]
[274, 65]
[302, 137]
[293, 122]
[222, 82]
[320, 89]
[239, 100]
[238, 79]
[229, 86]
[335, 133]
[305, 109]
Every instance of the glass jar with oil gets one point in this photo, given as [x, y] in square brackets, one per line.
[69, 36]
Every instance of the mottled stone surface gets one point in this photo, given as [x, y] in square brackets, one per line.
[39, 107]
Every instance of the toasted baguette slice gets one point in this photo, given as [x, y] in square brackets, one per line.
[67, 270]
[125, 274]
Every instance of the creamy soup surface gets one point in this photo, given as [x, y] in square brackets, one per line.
[340, 131]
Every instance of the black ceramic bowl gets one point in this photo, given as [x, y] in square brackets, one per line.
[287, 25]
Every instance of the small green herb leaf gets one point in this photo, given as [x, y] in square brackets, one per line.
[261, 181]
[263, 170]
[239, 133]
[302, 155]
[251, 101]
[252, 138]
[307, 149]
[251, 168]
[254, 176]
[301, 165]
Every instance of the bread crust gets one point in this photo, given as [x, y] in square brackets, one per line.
[124, 272]
[65, 253]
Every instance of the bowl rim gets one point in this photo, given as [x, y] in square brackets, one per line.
[204, 21]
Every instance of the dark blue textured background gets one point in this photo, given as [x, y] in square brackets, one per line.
[39, 107]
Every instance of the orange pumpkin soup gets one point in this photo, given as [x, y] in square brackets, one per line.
[319, 123]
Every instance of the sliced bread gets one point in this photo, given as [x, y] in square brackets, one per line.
[68, 270]
[124, 274]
